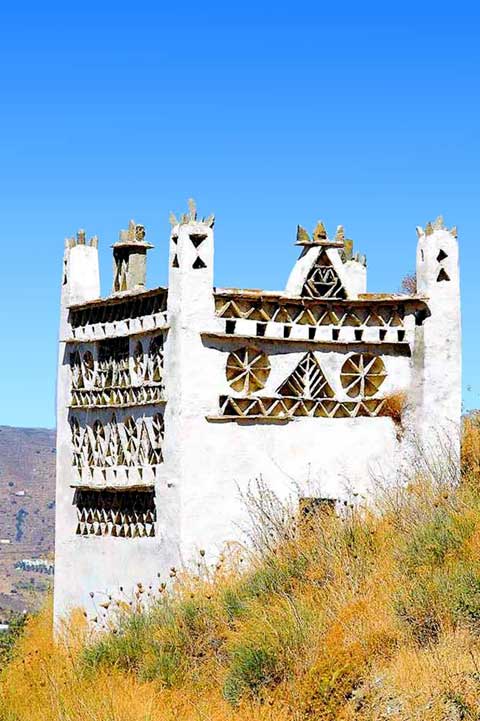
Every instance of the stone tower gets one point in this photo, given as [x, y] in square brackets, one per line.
[438, 336]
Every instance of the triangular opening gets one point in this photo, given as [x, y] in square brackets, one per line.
[441, 256]
[443, 275]
[322, 280]
[175, 261]
[306, 381]
[197, 238]
[199, 264]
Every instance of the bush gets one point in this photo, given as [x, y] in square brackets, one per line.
[262, 651]
[8, 639]
[436, 537]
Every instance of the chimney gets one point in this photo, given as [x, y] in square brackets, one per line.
[130, 259]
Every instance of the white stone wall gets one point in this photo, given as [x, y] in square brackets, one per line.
[437, 350]
[98, 565]
[210, 459]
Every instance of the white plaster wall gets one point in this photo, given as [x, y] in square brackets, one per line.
[301, 269]
[100, 564]
[357, 278]
[312, 456]
[437, 355]
[83, 273]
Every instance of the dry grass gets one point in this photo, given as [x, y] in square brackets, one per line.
[370, 615]
[471, 444]
[394, 407]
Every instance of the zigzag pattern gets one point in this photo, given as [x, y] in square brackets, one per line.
[284, 408]
[314, 312]
[128, 514]
[131, 443]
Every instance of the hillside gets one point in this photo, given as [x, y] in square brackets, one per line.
[371, 613]
[27, 511]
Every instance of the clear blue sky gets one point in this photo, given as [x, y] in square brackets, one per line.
[268, 114]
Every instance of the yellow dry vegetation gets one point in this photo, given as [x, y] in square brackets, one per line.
[367, 614]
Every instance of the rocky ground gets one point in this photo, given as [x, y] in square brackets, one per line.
[27, 512]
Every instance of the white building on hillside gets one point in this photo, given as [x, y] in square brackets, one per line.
[171, 400]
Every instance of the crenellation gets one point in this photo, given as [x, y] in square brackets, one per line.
[172, 400]
[191, 217]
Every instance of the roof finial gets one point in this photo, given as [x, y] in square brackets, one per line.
[302, 235]
[320, 232]
[131, 231]
[340, 233]
[191, 216]
[192, 209]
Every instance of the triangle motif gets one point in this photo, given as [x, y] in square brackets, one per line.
[322, 280]
[307, 381]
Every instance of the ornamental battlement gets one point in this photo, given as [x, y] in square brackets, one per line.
[172, 400]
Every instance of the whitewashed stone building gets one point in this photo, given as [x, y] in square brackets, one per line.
[172, 400]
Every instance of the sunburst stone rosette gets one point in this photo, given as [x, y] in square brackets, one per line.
[362, 375]
[247, 369]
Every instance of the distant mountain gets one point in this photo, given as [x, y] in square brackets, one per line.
[27, 512]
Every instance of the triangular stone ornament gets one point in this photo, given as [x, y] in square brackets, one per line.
[198, 263]
[322, 280]
[306, 381]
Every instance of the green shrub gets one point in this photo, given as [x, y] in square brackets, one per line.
[263, 647]
[234, 602]
[275, 575]
[251, 667]
[432, 541]
[124, 649]
[462, 593]
[417, 606]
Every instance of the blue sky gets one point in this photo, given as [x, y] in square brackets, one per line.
[268, 114]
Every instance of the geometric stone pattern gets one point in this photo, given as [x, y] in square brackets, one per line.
[305, 311]
[362, 375]
[323, 281]
[127, 514]
[127, 443]
[247, 369]
[117, 310]
[306, 391]
[116, 379]
[274, 407]
[306, 381]
[118, 398]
